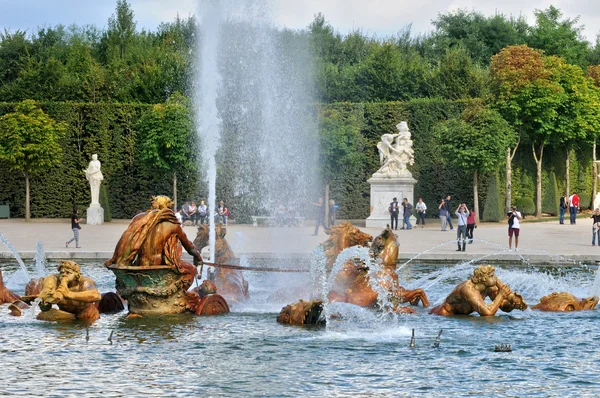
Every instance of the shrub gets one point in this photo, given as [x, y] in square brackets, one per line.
[550, 198]
[525, 206]
[105, 203]
[493, 209]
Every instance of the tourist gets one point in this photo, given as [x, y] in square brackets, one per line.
[75, 220]
[574, 206]
[394, 209]
[462, 213]
[332, 210]
[202, 211]
[421, 208]
[186, 211]
[179, 216]
[443, 214]
[596, 226]
[193, 212]
[225, 215]
[407, 213]
[449, 211]
[320, 215]
[514, 227]
[471, 225]
[562, 208]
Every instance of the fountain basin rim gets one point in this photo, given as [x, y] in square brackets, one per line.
[141, 268]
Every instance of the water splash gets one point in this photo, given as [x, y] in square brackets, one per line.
[21, 277]
[40, 261]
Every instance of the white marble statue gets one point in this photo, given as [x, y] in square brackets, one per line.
[94, 176]
[395, 153]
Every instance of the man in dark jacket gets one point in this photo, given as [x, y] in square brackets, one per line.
[408, 210]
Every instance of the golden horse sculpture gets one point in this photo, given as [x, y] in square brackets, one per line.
[230, 283]
[6, 296]
[565, 302]
[148, 267]
[351, 284]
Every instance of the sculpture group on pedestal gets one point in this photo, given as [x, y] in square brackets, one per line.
[395, 153]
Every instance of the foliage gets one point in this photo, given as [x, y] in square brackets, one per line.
[526, 206]
[105, 203]
[493, 209]
[550, 196]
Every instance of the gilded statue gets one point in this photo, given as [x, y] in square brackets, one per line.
[565, 302]
[469, 296]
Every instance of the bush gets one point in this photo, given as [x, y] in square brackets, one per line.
[550, 198]
[585, 200]
[525, 206]
[105, 203]
[493, 209]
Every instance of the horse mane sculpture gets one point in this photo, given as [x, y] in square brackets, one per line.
[229, 283]
[565, 302]
[341, 237]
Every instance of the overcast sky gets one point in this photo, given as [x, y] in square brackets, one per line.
[374, 17]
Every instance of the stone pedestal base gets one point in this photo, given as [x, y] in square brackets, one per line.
[383, 191]
[95, 215]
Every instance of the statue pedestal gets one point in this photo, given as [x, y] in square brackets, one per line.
[95, 215]
[383, 191]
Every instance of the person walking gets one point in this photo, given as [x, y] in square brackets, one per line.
[596, 226]
[394, 209]
[421, 208]
[514, 227]
[408, 209]
[75, 220]
[574, 206]
[562, 208]
[471, 225]
[462, 213]
[320, 216]
[443, 214]
[449, 211]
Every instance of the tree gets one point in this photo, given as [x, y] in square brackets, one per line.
[476, 142]
[30, 142]
[528, 98]
[121, 27]
[168, 133]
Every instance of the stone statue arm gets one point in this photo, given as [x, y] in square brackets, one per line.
[189, 246]
[48, 294]
[483, 309]
[89, 295]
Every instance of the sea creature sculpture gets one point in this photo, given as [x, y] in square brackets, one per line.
[302, 313]
[230, 283]
[565, 302]
[6, 296]
[469, 296]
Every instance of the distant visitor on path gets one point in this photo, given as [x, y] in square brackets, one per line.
[596, 226]
[202, 212]
[471, 225]
[75, 220]
[332, 210]
[443, 214]
[320, 215]
[562, 208]
[95, 177]
[449, 211]
[408, 210]
[421, 209]
[573, 208]
[394, 209]
[462, 213]
[514, 227]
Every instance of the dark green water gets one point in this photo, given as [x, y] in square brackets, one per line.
[246, 353]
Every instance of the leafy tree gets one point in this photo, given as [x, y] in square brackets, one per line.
[493, 209]
[30, 142]
[121, 27]
[476, 142]
[528, 98]
[168, 138]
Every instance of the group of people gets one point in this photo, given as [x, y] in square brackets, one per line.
[286, 216]
[321, 215]
[407, 211]
[571, 203]
[198, 215]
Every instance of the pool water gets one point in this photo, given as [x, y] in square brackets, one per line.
[365, 353]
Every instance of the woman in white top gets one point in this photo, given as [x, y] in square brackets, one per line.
[421, 208]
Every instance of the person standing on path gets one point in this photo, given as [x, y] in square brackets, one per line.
[202, 211]
[320, 216]
[394, 209]
[471, 225]
[514, 227]
[443, 214]
[574, 206]
[462, 213]
[562, 208]
[449, 211]
[75, 220]
[408, 209]
[596, 227]
[421, 208]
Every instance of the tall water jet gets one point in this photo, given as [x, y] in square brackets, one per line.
[255, 110]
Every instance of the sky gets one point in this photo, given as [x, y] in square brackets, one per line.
[375, 17]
